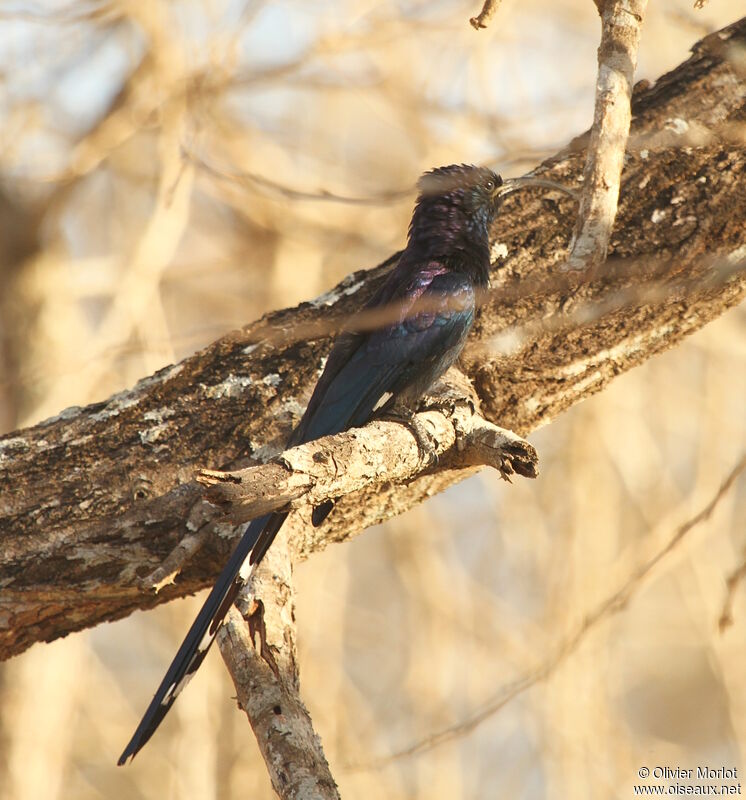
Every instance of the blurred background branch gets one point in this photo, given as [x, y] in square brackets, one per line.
[613, 603]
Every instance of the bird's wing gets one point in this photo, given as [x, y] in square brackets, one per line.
[436, 309]
[434, 320]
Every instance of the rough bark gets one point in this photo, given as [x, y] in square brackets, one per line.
[93, 500]
[266, 681]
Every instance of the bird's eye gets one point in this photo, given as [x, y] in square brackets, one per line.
[489, 185]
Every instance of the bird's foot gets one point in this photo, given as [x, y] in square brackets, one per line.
[426, 442]
[446, 402]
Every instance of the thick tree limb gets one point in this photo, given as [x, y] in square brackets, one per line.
[94, 500]
[621, 25]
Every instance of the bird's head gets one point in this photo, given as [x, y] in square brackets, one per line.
[465, 193]
[455, 207]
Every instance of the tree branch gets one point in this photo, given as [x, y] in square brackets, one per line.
[621, 25]
[485, 15]
[265, 674]
[94, 500]
[337, 466]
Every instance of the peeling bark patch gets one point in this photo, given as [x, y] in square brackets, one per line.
[12, 447]
[151, 435]
[232, 386]
[115, 406]
[158, 414]
[677, 125]
[498, 251]
[349, 286]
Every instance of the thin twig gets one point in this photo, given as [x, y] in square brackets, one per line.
[653, 283]
[485, 15]
[201, 526]
[734, 580]
[267, 185]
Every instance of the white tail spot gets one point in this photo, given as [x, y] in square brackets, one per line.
[382, 400]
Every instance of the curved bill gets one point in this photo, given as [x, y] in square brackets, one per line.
[510, 185]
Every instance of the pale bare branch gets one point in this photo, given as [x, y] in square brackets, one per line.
[260, 652]
[336, 466]
[621, 25]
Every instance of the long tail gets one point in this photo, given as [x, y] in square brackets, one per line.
[202, 633]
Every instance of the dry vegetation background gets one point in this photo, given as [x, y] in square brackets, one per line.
[169, 171]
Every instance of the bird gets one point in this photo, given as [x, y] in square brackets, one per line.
[430, 299]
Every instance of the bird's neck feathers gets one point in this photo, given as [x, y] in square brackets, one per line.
[444, 230]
